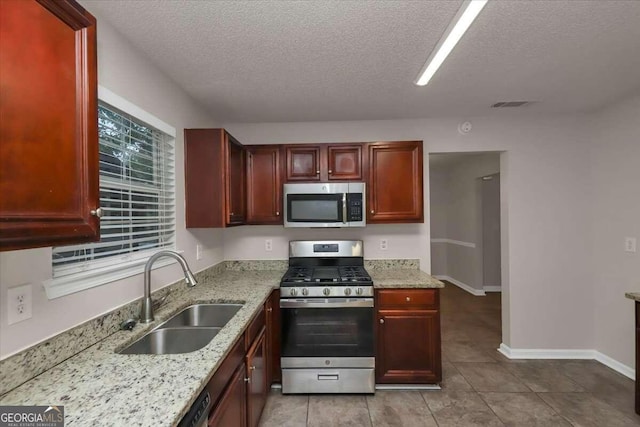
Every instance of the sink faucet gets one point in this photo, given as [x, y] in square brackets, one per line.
[146, 313]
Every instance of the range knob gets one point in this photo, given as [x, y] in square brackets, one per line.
[305, 291]
[347, 291]
[326, 291]
[359, 291]
[293, 292]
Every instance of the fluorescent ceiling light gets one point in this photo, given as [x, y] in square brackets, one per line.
[456, 29]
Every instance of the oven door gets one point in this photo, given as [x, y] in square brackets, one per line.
[329, 329]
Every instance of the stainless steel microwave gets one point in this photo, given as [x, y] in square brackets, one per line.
[324, 204]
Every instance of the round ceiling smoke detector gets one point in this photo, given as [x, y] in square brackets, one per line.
[464, 128]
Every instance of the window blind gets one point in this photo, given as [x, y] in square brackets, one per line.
[137, 195]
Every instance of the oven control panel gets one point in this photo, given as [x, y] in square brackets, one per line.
[328, 291]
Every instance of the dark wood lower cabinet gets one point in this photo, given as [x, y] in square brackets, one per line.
[274, 374]
[408, 346]
[240, 386]
[257, 388]
[231, 410]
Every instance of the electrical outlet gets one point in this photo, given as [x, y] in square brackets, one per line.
[268, 245]
[198, 251]
[383, 244]
[19, 304]
[630, 244]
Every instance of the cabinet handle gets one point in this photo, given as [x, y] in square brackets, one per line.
[371, 210]
[252, 368]
[381, 321]
[408, 299]
[96, 212]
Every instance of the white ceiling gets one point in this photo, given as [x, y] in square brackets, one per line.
[275, 61]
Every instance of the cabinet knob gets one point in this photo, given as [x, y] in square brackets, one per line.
[330, 171]
[247, 380]
[252, 368]
[96, 212]
[317, 172]
[269, 309]
[232, 214]
[381, 321]
[372, 211]
[408, 299]
[277, 213]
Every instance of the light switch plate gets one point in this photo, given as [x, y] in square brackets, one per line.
[630, 244]
[19, 303]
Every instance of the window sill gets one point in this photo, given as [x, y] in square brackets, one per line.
[66, 285]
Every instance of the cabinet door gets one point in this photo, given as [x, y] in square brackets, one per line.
[273, 338]
[257, 389]
[395, 182]
[231, 410]
[49, 173]
[344, 162]
[302, 162]
[264, 185]
[236, 212]
[408, 347]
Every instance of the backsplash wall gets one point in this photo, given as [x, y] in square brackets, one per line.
[403, 241]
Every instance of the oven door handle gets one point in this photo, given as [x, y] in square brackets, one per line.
[325, 303]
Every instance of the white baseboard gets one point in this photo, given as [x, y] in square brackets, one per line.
[515, 353]
[625, 370]
[470, 289]
[492, 288]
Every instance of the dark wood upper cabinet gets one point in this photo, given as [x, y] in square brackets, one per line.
[236, 187]
[214, 179]
[344, 162]
[302, 162]
[408, 338]
[49, 171]
[324, 162]
[394, 192]
[264, 184]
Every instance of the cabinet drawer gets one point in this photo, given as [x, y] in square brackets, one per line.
[255, 327]
[410, 298]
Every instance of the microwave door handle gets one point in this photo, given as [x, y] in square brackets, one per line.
[344, 208]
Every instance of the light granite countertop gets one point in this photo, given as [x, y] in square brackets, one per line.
[403, 278]
[99, 387]
[633, 295]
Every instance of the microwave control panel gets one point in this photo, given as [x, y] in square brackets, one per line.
[354, 207]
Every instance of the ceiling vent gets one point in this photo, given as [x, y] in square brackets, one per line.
[506, 104]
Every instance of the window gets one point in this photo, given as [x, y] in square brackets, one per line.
[137, 197]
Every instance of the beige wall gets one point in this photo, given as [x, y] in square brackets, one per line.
[130, 75]
[615, 203]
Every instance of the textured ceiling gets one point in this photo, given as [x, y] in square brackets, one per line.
[274, 61]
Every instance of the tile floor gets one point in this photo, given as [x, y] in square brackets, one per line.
[480, 387]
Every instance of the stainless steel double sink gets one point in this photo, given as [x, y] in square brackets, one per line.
[189, 330]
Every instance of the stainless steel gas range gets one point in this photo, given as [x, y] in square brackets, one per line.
[326, 304]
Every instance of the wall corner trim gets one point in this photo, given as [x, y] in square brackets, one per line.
[464, 286]
[496, 288]
[516, 353]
